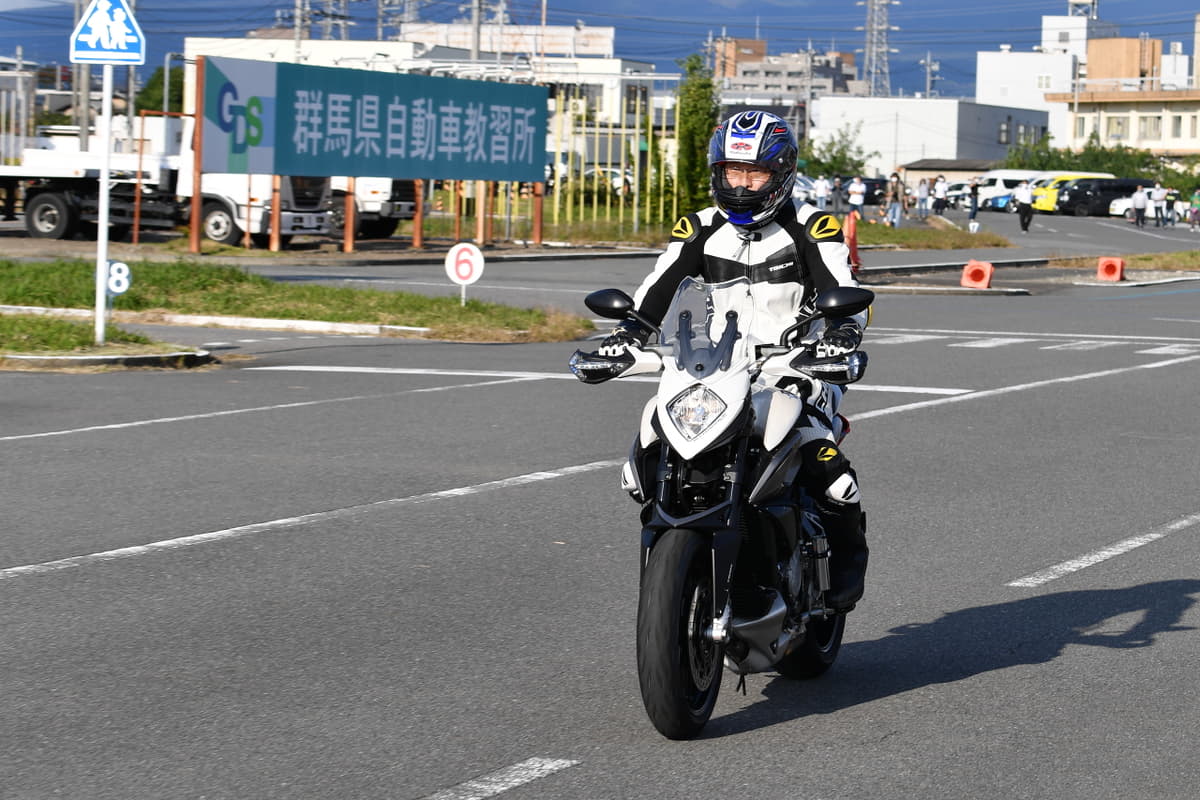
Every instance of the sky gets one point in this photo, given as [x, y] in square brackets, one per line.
[948, 32]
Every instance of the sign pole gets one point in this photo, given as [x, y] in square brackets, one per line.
[102, 223]
[105, 33]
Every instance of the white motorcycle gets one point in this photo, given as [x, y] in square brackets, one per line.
[735, 562]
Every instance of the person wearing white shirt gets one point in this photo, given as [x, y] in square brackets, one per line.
[1023, 197]
[1158, 196]
[856, 194]
[940, 188]
[821, 187]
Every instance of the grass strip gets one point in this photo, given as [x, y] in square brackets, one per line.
[191, 288]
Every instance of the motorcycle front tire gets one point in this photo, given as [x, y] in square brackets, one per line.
[679, 667]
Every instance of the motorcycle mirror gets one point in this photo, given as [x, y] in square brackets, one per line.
[609, 303]
[844, 301]
[840, 301]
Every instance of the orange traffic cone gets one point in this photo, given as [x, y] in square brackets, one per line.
[851, 231]
[1111, 269]
[977, 275]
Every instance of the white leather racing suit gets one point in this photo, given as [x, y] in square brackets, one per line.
[788, 261]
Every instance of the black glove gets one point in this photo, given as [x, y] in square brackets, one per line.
[627, 334]
[841, 336]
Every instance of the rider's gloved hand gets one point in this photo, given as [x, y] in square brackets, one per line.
[625, 335]
[841, 336]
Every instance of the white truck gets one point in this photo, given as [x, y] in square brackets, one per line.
[61, 188]
[380, 204]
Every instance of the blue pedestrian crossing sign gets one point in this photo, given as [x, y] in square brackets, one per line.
[107, 33]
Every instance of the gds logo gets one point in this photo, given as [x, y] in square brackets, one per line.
[243, 121]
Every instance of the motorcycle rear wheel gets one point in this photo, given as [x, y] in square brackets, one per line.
[817, 652]
[679, 668]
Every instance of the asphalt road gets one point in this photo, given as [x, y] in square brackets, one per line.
[351, 567]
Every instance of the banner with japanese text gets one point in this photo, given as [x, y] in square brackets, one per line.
[333, 121]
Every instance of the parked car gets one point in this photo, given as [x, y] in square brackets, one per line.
[1123, 207]
[876, 187]
[1093, 196]
[611, 176]
[1045, 190]
[958, 194]
[804, 189]
[1000, 202]
[1002, 181]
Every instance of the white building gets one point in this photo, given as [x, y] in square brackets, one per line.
[1009, 78]
[898, 130]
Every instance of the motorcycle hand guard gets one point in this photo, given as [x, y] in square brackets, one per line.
[840, 370]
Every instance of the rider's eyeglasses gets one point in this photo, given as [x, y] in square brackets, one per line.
[751, 172]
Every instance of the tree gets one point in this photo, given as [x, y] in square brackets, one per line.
[697, 119]
[840, 155]
[150, 98]
[1122, 161]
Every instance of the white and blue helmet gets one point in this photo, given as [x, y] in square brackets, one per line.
[755, 137]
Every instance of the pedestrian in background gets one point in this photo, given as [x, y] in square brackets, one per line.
[837, 196]
[939, 195]
[895, 197]
[1194, 210]
[1139, 201]
[922, 199]
[1158, 198]
[973, 199]
[856, 195]
[1173, 198]
[1023, 197]
[821, 187]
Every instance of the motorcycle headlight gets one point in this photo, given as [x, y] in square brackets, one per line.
[694, 410]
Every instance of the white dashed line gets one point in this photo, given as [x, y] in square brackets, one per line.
[502, 780]
[1091, 559]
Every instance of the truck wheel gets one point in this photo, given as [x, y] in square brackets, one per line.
[382, 228]
[337, 219]
[49, 216]
[218, 224]
[263, 240]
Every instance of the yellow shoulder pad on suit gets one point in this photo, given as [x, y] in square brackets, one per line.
[684, 229]
[823, 226]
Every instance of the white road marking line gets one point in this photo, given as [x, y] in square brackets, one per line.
[1038, 334]
[300, 521]
[502, 780]
[903, 338]
[557, 376]
[116, 426]
[1081, 345]
[1020, 387]
[999, 341]
[1113, 550]
[1169, 350]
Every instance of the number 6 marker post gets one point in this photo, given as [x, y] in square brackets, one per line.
[464, 266]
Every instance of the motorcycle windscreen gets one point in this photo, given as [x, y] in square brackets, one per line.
[707, 326]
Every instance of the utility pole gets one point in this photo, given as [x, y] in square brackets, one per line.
[81, 88]
[931, 69]
[475, 22]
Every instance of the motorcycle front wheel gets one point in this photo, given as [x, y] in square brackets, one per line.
[679, 667]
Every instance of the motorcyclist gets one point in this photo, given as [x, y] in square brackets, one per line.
[790, 251]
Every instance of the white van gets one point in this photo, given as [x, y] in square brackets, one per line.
[996, 182]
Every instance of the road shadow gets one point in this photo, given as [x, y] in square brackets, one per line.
[969, 642]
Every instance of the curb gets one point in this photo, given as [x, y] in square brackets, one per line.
[179, 360]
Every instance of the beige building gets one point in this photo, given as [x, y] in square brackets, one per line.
[729, 52]
[1134, 95]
